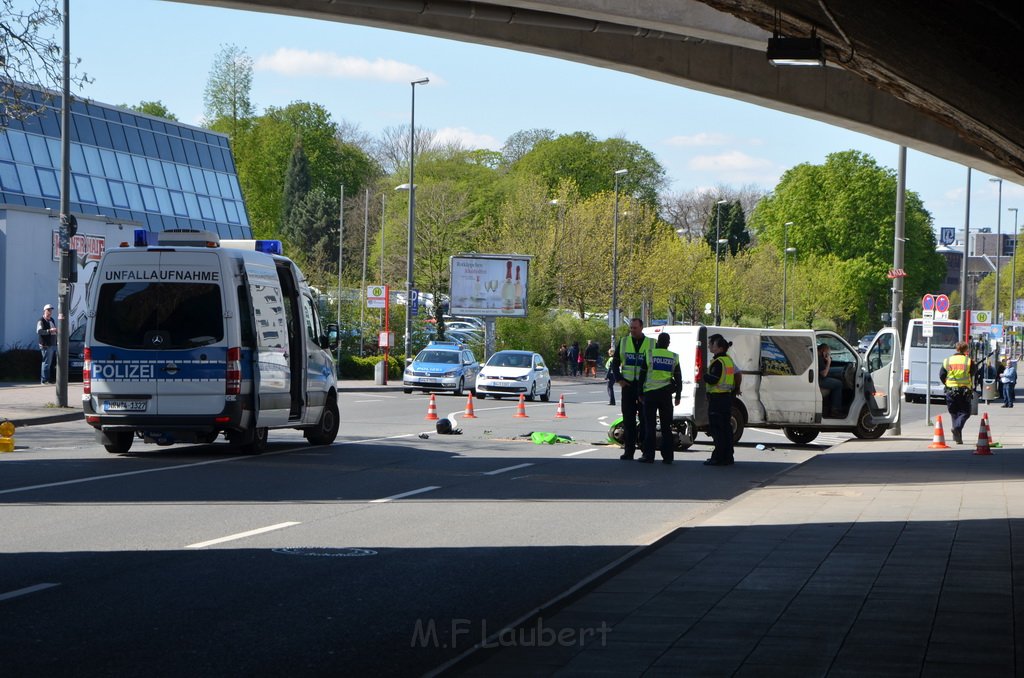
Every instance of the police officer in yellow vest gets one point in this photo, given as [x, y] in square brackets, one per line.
[663, 381]
[629, 369]
[723, 383]
[957, 374]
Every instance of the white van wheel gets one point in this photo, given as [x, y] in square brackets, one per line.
[800, 436]
[737, 423]
[864, 429]
[327, 428]
[120, 442]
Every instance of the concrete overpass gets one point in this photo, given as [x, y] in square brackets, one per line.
[940, 76]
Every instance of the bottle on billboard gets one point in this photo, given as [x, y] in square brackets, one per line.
[508, 290]
[518, 292]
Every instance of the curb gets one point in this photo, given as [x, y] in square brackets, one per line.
[48, 419]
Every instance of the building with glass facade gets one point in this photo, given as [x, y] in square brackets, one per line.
[128, 170]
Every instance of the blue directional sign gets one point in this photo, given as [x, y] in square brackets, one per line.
[946, 235]
[414, 302]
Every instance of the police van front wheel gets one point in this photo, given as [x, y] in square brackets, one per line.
[327, 428]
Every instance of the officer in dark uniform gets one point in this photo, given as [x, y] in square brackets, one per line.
[629, 368]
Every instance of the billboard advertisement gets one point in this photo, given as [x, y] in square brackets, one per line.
[489, 285]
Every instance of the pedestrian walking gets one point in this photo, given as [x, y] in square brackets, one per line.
[629, 367]
[46, 332]
[1008, 383]
[574, 358]
[610, 376]
[663, 382]
[590, 356]
[957, 375]
[723, 383]
[563, 359]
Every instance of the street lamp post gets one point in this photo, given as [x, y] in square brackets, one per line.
[1013, 268]
[614, 315]
[718, 247]
[785, 267]
[412, 212]
[999, 246]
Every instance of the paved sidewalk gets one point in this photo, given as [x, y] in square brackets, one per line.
[879, 558]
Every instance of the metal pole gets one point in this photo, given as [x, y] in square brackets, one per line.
[613, 316]
[1013, 278]
[964, 308]
[362, 289]
[718, 247]
[341, 239]
[64, 286]
[411, 245]
[999, 251]
[899, 239]
[785, 267]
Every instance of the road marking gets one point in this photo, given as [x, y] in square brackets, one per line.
[25, 591]
[374, 400]
[506, 469]
[108, 476]
[242, 535]
[428, 488]
[575, 454]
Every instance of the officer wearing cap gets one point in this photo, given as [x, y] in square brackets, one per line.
[46, 331]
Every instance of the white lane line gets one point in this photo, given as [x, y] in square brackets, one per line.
[576, 454]
[198, 463]
[428, 488]
[25, 591]
[506, 469]
[374, 400]
[242, 535]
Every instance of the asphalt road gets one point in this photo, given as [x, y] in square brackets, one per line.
[385, 553]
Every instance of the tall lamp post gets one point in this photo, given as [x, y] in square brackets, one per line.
[614, 315]
[1013, 268]
[412, 212]
[786, 249]
[999, 246]
[718, 247]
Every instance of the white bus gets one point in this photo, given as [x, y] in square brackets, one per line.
[917, 381]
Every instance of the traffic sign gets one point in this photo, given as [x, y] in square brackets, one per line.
[375, 296]
[414, 302]
[942, 307]
[927, 328]
[928, 306]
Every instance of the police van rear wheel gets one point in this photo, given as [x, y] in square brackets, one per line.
[736, 420]
[253, 441]
[327, 428]
[120, 442]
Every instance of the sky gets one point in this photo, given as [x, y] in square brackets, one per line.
[145, 50]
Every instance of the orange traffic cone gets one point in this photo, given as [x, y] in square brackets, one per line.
[469, 414]
[431, 409]
[983, 448]
[939, 439]
[988, 428]
[560, 412]
[521, 408]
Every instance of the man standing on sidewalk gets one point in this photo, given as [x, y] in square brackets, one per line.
[46, 331]
[957, 374]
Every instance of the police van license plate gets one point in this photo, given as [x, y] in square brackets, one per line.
[124, 405]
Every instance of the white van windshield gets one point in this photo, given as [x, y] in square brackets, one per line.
[159, 315]
[943, 336]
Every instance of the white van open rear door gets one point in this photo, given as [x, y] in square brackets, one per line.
[271, 367]
[884, 361]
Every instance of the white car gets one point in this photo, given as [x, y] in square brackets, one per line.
[514, 373]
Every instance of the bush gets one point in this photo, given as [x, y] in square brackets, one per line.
[354, 367]
[20, 363]
[544, 331]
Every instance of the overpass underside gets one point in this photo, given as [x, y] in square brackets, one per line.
[938, 76]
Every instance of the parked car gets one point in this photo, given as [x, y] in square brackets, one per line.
[511, 373]
[865, 341]
[76, 350]
[442, 366]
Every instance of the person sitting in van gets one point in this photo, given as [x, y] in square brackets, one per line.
[829, 385]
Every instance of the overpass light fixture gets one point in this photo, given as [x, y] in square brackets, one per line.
[783, 51]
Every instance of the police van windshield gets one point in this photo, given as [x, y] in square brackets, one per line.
[159, 315]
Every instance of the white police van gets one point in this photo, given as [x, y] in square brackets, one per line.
[195, 337]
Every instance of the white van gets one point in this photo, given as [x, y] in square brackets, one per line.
[780, 381]
[195, 337]
[917, 380]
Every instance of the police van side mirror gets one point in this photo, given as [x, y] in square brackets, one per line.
[332, 336]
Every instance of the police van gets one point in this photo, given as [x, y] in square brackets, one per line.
[780, 381]
[195, 337]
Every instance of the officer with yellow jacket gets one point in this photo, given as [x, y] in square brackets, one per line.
[723, 383]
[664, 380]
[629, 369]
[957, 374]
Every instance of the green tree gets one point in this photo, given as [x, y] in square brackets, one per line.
[228, 88]
[154, 108]
[522, 142]
[314, 233]
[592, 163]
[296, 183]
[29, 54]
[845, 209]
[733, 227]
